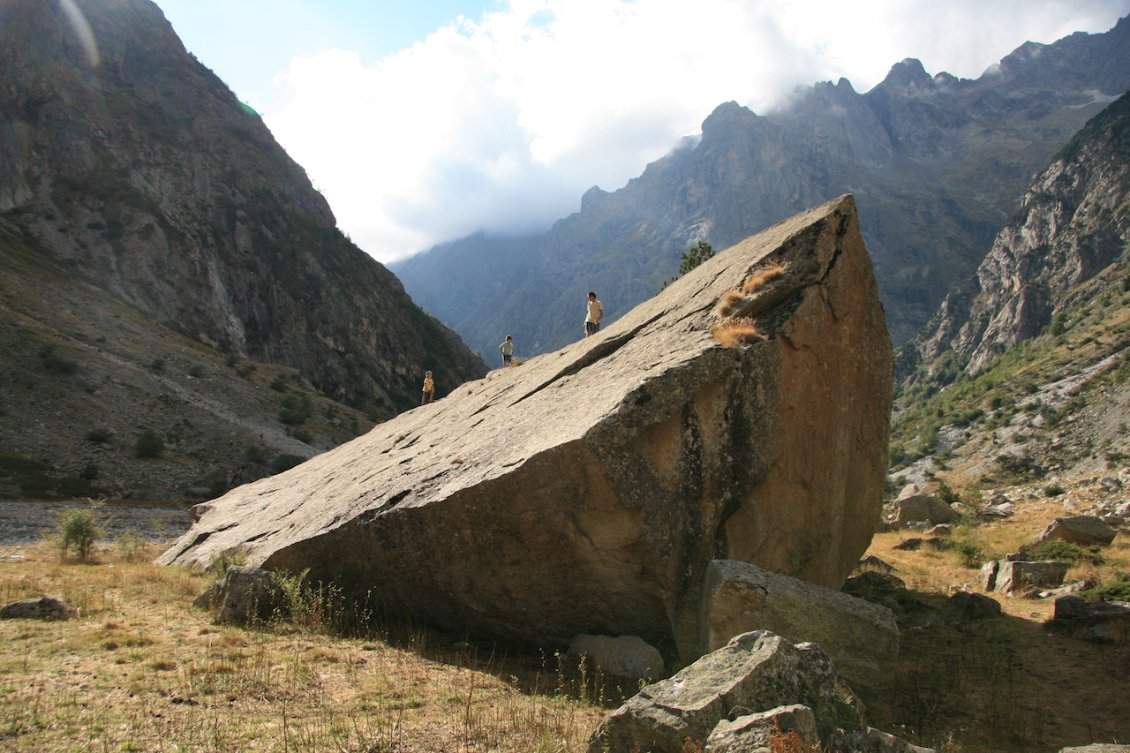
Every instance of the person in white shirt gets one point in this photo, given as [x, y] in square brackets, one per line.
[593, 315]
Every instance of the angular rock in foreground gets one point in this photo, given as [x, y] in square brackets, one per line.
[587, 490]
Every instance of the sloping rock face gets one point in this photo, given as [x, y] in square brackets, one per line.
[855, 634]
[587, 490]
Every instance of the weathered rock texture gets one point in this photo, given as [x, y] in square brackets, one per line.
[1069, 243]
[42, 608]
[1085, 530]
[856, 634]
[588, 490]
[754, 672]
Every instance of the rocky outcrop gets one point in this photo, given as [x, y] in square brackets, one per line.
[754, 672]
[921, 508]
[856, 634]
[1008, 576]
[41, 608]
[1085, 530]
[1070, 241]
[759, 692]
[587, 490]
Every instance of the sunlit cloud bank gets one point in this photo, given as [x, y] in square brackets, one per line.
[500, 123]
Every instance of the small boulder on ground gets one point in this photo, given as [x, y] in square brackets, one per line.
[968, 606]
[856, 634]
[920, 508]
[242, 595]
[623, 656]
[724, 702]
[762, 731]
[41, 608]
[1084, 530]
[1007, 576]
[1101, 622]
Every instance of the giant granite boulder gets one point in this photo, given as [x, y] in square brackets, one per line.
[588, 490]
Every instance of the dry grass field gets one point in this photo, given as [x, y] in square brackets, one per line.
[142, 670]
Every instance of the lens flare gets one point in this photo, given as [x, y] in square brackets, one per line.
[82, 30]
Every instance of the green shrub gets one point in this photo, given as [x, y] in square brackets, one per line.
[1116, 590]
[1054, 490]
[1065, 551]
[157, 364]
[278, 384]
[99, 436]
[149, 445]
[131, 547]
[285, 462]
[77, 529]
[295, 410]
[968, 552]
[226, 559]
[196, 370]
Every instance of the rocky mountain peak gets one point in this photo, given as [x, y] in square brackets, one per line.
[906, 77]
[937, 165]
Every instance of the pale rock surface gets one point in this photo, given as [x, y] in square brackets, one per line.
[759, 732]
[587, 490]
[1008, 576]
[754, 672]
[922, 508]
[623, 656]
[1085, 530]
[856, 634]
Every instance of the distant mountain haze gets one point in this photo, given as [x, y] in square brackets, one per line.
[937, 166]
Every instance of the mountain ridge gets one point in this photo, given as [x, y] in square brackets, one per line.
[133, 178]
[936, 164]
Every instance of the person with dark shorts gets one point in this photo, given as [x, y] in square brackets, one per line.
[507, 351]
[593, 315]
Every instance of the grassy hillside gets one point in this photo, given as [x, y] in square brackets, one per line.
[1054, 405]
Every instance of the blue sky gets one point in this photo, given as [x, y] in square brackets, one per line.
[422, 121]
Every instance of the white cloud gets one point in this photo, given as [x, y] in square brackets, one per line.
[502, 122]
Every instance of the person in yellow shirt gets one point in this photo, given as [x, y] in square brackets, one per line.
[429, 391]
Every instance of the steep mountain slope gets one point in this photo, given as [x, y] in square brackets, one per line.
[936, 165]
[1026, 369]
[144, 200]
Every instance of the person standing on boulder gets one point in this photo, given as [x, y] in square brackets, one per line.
[507, 351]
[429, 391]
[593, 315]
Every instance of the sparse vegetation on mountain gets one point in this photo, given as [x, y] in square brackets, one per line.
[151, 231]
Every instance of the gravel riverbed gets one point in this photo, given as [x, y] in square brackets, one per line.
[29, 521]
